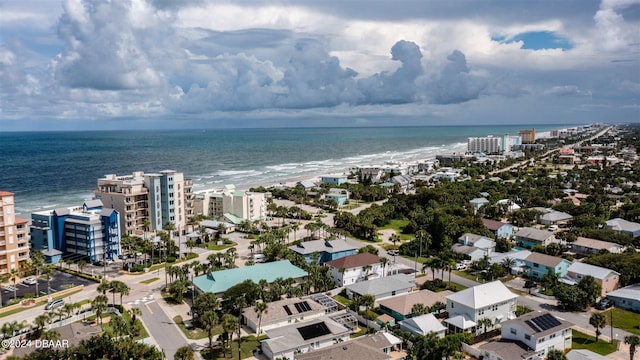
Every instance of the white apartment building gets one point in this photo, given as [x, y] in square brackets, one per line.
[510, 140]
[487, 144]
[240, 204]
[147, 202]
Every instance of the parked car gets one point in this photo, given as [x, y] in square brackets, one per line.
[54, 304]
[392, 252]
[259, 258]
[604, 304]
[553, 227]
[30, 281]
[530, 284]
[461, 266]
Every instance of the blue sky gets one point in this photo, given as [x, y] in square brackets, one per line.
[134, 64]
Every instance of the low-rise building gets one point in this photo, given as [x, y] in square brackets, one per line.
[499, 228]
[302, 337]
[491, 300]
[382, 288]
[541, 264]
[400, 306]
[423, 325]
[529, 237]
[218, 282]
[340, 196]
[333, 180]
[477, 203]
[376, 346]
[474, 246]
[586, 246]
[553, 217]
[627, 297]
[353, 268]
[326, 250]
[607, 278]
[540, 332]
[282, 313]
[624, 226]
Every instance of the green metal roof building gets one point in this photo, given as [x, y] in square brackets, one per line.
[219, 281]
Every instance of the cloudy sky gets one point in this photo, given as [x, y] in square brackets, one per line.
[126, 64]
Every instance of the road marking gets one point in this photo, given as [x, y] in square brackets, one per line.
[149, 308]
[149, 302]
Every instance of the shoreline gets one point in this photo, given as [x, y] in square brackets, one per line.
[244, 179]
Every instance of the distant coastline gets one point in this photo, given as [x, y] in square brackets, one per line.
[50, 170]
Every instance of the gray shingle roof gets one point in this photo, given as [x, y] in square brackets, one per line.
[383, 285]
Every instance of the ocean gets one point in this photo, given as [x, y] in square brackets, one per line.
[59, 169]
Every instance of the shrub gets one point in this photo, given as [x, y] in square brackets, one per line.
[171, 259]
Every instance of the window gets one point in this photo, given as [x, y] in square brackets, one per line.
[527, 337]
[452, 304]
[514, 331]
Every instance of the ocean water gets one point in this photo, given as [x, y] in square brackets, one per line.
[58, 169]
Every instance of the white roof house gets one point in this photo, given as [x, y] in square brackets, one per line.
[627, 297]
[623, 226]
[382, 287]
[422, 325]
[491, 300]
[599, 273]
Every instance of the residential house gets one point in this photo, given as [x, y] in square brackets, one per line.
[307, 185]
[507, 350]
[500, 229]
[540, 332]
[404, 181]
[400, 306]
[553, 217]
[383, 287]
[369, 347]
[491, 300]
[282, 313]
[474, 246]
[607, 278]
[447, 173]
[302, 337]
[586, 246]
[624, 227]
[327, 250]
[423, 325]
[529, 237]
[333, 180]
[627, 297]
[477, 203]
[509, 205]
[218, 282]
[375, 174]
[340, 196]
[353, 268]
[541, 264]
[517, 257]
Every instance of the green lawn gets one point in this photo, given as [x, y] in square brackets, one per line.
[421, 260]
[342, 300]
[248, 345]
[397, 225]
[149, 281]
[584, 341]
[625, 320]
[214, 247]
[193, 333]
[109, 330]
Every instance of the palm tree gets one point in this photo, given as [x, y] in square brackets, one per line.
[228, 324]
[384, 261]
[418, 309]
[394, 238]
[598, 321]
[104, 287]
[208, 320]
[367, 300]
[50, 335]
[135, 312]
[14, 278]
[191, 244]
[99, 304]
[633, 341]
[184, 353]
[260, 308]
[119, 326]
[485, 322]
[556, 354]
[47, 271]
[37, 261]
[41, 321]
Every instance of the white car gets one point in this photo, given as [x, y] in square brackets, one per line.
[553, 227]
[30, 281]
[461, 266]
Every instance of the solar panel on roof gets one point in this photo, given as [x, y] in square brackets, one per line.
[286, 308]
[297, 305]
[533, 326]
[305, 306]
[546, 321]
[314, 330]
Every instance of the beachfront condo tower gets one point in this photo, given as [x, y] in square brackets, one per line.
[147, 202]
[486, 144]
[14, 236]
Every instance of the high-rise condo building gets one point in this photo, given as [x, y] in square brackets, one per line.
[487, 144]
[528, 136]
[14, 236]
[88, 232]
[147, 202]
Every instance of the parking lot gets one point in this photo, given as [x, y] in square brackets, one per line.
[59, 281]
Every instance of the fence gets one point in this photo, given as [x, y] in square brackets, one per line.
[35, 301]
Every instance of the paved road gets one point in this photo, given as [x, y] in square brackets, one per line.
[163, 330]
